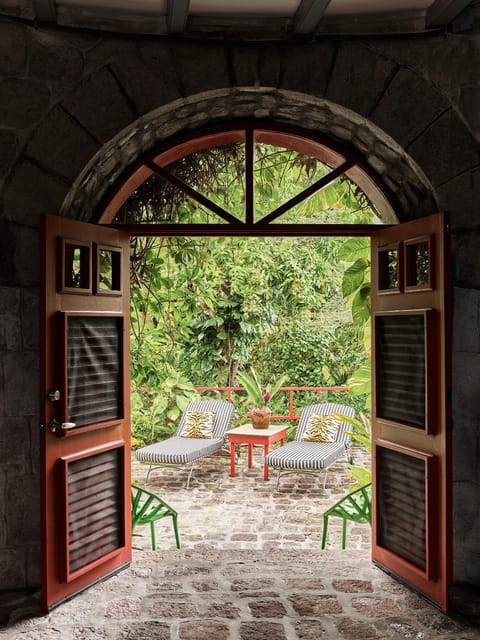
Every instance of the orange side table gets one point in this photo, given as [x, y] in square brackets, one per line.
[246, 434]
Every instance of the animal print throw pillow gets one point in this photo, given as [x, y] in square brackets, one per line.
[198, 424]
[321, 429]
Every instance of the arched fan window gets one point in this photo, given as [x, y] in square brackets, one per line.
[250, 178]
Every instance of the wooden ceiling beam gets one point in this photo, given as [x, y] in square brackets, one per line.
[442, 12]
[45, 10]
[308, 15]
[177, 14]
[241, 230]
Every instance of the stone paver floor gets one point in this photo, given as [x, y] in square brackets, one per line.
[250, 568]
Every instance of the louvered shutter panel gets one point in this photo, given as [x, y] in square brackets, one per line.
[94, 504]
[94, 372]
[401, 362]
[402, 512]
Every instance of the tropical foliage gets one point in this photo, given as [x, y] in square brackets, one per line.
[360, 435]
[258, 393]
[204, 309]
[356, 290]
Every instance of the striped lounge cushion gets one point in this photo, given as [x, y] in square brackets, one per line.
[302, 454]
[178, 450]
[181, 450]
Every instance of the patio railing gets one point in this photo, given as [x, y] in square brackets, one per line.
[290, 390]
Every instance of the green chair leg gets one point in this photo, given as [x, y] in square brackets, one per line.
[147, 508]
[344, 533]
[152, 534]
[325, 527]
[175, 529]
[355, 506]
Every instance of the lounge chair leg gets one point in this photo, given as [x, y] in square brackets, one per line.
[148, 474]
[324, 490]
[189, 476]
[278, 478]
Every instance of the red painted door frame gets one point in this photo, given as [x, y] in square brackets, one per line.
[85, 438]
[411, 438]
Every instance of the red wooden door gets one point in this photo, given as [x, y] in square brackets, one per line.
[85, 440]
[410, 425]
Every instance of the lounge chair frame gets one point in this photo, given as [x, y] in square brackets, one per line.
[178, 452]
[300, 456]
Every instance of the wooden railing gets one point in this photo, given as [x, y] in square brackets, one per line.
[290, 390]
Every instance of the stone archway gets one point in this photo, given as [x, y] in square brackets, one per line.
[380, 154]
[405, 180]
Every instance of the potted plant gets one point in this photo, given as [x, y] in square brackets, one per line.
[260, 395]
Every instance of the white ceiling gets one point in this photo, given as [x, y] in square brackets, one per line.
[246, 19]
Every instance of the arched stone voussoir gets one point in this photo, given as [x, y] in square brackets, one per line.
[100, 105]
[359, 77]
[408, 106]
[314, 114]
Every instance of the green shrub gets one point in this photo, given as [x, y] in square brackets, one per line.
[310, 356]
[155, 411]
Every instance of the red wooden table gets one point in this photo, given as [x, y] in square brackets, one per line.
[246, 434]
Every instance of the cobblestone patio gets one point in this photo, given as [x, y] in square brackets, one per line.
[250, 568]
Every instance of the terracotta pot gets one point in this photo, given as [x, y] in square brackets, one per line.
[260, 417]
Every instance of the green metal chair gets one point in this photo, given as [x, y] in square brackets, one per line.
[147, 508]
[355, 506]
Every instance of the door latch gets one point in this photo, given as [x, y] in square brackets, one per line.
[55, 425]
[54, 395]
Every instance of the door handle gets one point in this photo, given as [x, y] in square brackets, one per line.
[68, 425]
[55, 425]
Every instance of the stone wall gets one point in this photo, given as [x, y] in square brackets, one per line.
[77, 108]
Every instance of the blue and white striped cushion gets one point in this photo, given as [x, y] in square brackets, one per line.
[305, 455]
[302, 454]
[178, 450]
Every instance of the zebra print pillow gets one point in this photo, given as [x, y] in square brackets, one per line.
[321, 428]
[198, 424]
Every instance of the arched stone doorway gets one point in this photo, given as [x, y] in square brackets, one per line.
[344, 160]
[409, 191]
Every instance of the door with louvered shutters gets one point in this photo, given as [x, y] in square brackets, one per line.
[411, 526]
[85, 437]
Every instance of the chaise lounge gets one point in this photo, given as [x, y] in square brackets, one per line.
[201, 432]
[320, 440]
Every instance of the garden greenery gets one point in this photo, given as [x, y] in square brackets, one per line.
[203, 309]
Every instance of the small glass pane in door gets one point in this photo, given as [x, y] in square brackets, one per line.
[109, 262]
[389, 270]
[76, 272]
[417, 260]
